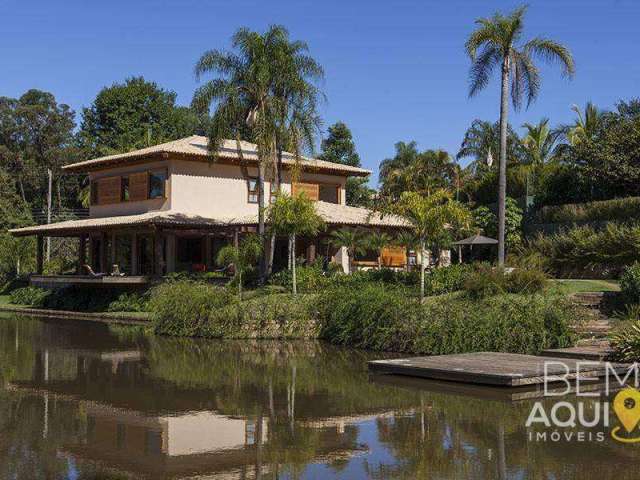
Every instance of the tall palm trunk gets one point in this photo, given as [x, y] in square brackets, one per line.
[293, 264]
[502, 174]
[261, 225]
[422, 259]
[278, 183]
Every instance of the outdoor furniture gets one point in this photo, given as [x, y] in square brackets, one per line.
[115, 271]
[471, 241]
[91, 272]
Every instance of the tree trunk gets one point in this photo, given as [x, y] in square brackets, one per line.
[261, 225]
[293, 264]
[422, 250]
[502, 174]
[239, 284]
[278, 183]
[380, 260]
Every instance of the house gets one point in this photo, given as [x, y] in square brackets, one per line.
[171, 207]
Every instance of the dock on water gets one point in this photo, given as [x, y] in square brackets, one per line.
[497, 369]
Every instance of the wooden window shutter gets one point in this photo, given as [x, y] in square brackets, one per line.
[394, 256]
[109, 190]
[311, 190]
[138, 186]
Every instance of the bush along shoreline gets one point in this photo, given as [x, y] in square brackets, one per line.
[469, 309]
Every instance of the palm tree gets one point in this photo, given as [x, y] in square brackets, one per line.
[538, 146]
[263, 91]
[409, 241]
[352, 239]
[415, 171]
[432, 218]
[482, 142]
[585, 125]
[291, 217]
[497, 41]
[377, 241]
[242, 257]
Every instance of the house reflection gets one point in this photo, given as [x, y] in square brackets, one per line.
[137, 425]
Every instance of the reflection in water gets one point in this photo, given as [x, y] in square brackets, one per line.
[86, 402]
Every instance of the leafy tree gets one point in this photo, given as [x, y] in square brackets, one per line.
[496, 42]
[339, 147]
[135, 114]
[538, 142]
[291, 217]
[36, 134]
[485, 218]
[433, 219]
[15, 253]
[377, 241]
[353, 239]
[242, 257]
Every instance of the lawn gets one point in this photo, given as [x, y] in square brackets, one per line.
[4, 299]
[577, 286]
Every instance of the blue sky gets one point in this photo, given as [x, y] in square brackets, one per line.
[395, 70]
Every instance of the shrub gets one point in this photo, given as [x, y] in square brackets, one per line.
[630, 283]
[625, 343]
[310, 278]
[526, 281]
[183, 307]
[446, 279]
[129, 302]
[618, 209]
[583, 252]
[275, 315]
[380, 318]
[31, 296]
[485, 281]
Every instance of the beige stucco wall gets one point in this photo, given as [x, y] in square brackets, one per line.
[201, 188]
[220, 190]
[132, 208]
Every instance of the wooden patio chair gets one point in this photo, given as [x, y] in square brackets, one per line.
[91, 273]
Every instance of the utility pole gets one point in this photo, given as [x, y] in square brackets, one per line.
[49, 198]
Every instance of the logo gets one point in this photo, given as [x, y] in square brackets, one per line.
[626, 405]
[586, 418]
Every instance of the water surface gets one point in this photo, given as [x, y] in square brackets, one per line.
[86, 401]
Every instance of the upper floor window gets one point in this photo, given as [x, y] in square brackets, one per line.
[124, 189]
[273, 193]
[157, 182]
[252, 186]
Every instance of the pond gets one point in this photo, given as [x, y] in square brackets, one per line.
[89, 401]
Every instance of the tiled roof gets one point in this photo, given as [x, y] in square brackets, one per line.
[333, 214]
[197, 146]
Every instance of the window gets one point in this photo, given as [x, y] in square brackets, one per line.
[329, 193]
[273, 194]
[156, 184]
[252, 185]
[124, 189]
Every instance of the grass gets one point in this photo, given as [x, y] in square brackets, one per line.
[4, 300]
[577, 286]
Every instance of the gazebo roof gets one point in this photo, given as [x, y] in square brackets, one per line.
[477, 240]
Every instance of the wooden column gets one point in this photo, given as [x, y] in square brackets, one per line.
[170, 252]
[104, 254]
[236, 238]
[82, 254]
[39, 255]
[112, 253]
[158, 253]
[134, 254]
[207, 252]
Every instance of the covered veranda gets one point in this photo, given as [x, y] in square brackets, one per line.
[133, 249]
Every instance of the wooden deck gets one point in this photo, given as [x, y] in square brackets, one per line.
[52, 281]
[490, 368]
